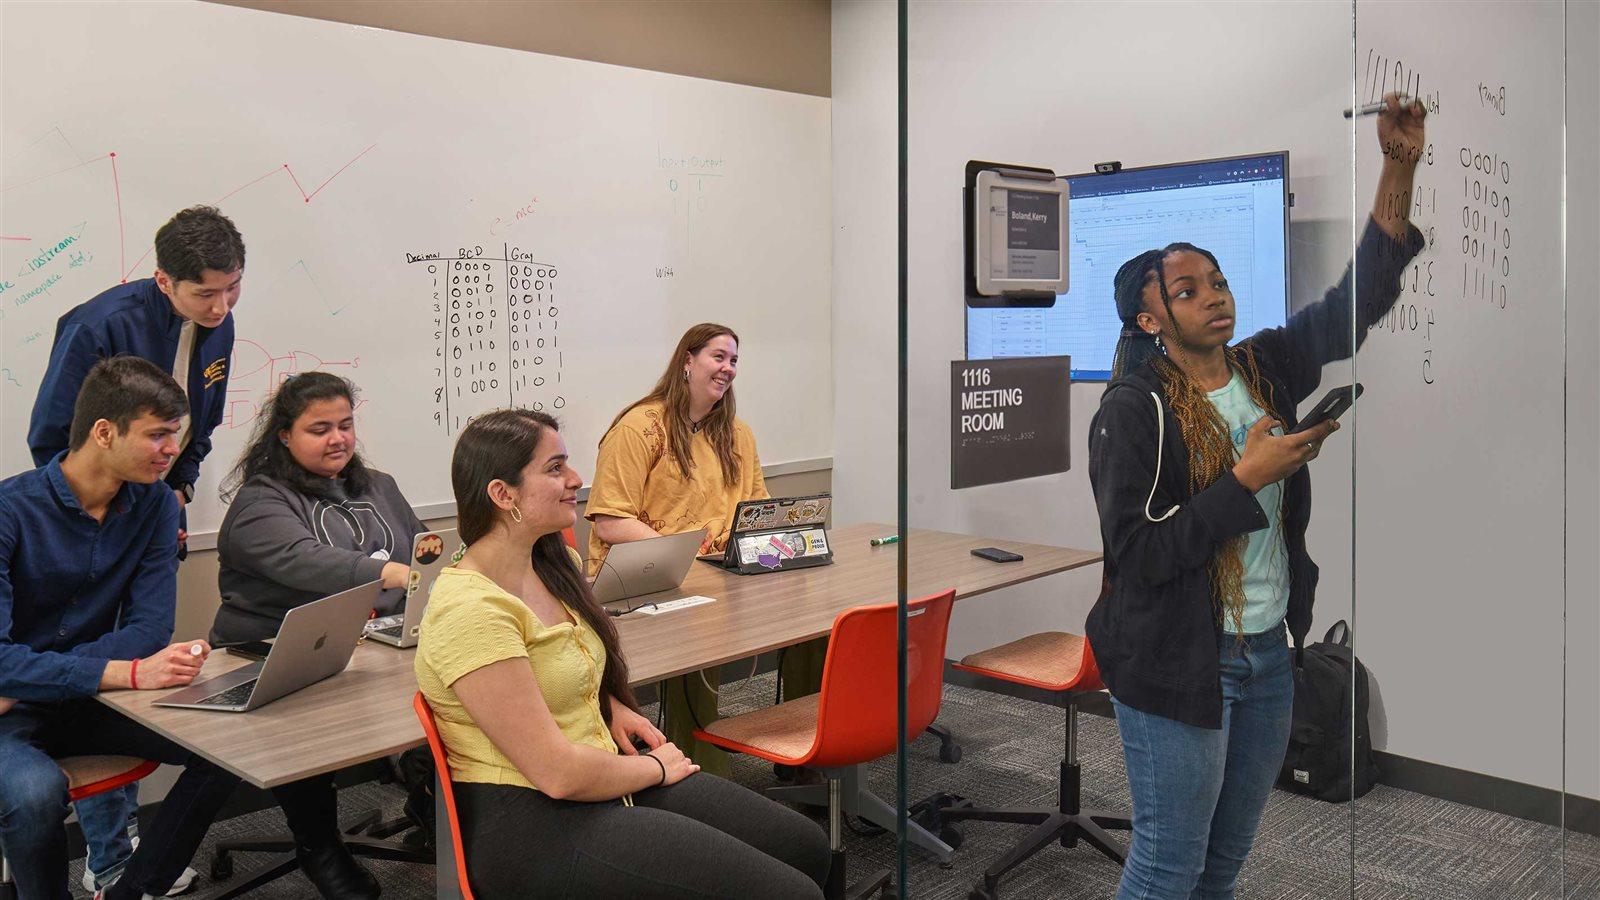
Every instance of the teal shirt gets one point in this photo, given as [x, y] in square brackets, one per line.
[1266, 557]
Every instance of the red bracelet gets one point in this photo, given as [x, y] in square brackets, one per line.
[133, 675]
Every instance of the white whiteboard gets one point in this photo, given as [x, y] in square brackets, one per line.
[1458, 438]
[637, 203]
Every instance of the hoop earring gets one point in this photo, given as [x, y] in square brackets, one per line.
[516, 515]
[685, 374]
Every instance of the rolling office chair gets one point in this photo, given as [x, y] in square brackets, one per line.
[852, 720]
[88, 776]
[1064, 664]
[447, 789]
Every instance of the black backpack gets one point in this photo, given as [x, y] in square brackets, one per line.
[1318, 760]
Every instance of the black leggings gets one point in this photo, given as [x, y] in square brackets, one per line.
[701, 837]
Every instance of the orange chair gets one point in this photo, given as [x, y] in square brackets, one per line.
[88, 776]
[447, 788]
[852, 720]
[1063, 664]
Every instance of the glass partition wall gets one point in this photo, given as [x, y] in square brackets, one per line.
[1216, 127]
[1369, 202]
[1460, 448]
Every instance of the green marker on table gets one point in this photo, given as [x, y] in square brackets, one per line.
[879, 542]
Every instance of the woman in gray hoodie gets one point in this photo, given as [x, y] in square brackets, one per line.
[309, 518]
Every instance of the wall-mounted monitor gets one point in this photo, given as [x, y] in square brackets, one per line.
[1238, 208]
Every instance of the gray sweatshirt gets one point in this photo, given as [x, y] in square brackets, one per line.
[280, 548]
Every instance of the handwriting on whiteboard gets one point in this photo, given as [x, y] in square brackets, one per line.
[495, 323]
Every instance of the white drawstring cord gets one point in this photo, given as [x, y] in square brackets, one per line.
[1161, 440]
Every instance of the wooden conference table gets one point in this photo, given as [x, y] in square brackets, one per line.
[364, 713]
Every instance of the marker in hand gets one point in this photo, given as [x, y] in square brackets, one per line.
[1372, 109]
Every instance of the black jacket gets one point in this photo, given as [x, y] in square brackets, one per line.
[1153, 630]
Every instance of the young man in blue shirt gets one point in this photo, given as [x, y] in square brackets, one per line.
[88, 590]
[181, 320]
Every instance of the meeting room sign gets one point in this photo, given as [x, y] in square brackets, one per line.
[1008, 419]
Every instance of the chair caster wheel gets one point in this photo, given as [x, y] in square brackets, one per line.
[221, 867]
[982, 893]
[952, 836]
[950, 753]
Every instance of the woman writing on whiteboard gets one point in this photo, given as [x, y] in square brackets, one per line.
[309, 518]
[1204, 499]
[679, 459]
[565, 790]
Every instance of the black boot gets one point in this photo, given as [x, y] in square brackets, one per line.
[312, 808]
[334, 871]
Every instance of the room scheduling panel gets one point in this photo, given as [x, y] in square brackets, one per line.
[1020, 234]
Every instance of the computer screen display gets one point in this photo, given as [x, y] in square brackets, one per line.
[1238, 208]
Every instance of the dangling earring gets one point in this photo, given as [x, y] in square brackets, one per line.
[1160, 345]
[516, 515]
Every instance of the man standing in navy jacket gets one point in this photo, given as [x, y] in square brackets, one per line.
[181, 320]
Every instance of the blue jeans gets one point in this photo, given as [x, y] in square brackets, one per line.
[1198, 793]
[33, 796]
[109, 822]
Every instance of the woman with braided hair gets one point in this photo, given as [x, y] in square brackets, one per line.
[1204, 498]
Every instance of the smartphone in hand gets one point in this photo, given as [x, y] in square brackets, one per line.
[1331, 406]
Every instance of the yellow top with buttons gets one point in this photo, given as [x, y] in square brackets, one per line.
[472, 622]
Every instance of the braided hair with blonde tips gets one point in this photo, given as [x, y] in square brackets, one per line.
[1205, 434]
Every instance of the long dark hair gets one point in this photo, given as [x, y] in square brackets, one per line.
[267, 455]
[672, 391]
[499, 445]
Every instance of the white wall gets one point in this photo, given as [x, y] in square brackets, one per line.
[1068, 84]
[865, 194]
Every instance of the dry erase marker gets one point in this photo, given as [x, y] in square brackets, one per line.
[1372, 109]
[194, 650]
[879, 542]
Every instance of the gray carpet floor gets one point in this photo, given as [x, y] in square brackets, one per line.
[1406, 845]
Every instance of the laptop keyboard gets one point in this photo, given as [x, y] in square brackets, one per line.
[392, 631]
[234, 696]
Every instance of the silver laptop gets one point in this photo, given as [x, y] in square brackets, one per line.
[314, 642]
[644, 567]
[431, 551]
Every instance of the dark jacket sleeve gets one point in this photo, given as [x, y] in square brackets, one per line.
[1122, 468]
[1334, 327]
[76, 351]
[205, 411]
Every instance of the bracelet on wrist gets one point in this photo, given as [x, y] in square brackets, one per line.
[663, 768]
[133, 675]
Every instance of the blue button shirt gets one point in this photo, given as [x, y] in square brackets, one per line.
[74, 592]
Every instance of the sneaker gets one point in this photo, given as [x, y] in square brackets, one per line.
[184, 883]
[94, 885]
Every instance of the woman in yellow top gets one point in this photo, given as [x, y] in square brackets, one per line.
[563, 788]
[679, 459]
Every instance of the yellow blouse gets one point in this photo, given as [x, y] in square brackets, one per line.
[636, 478]
[470, 623]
